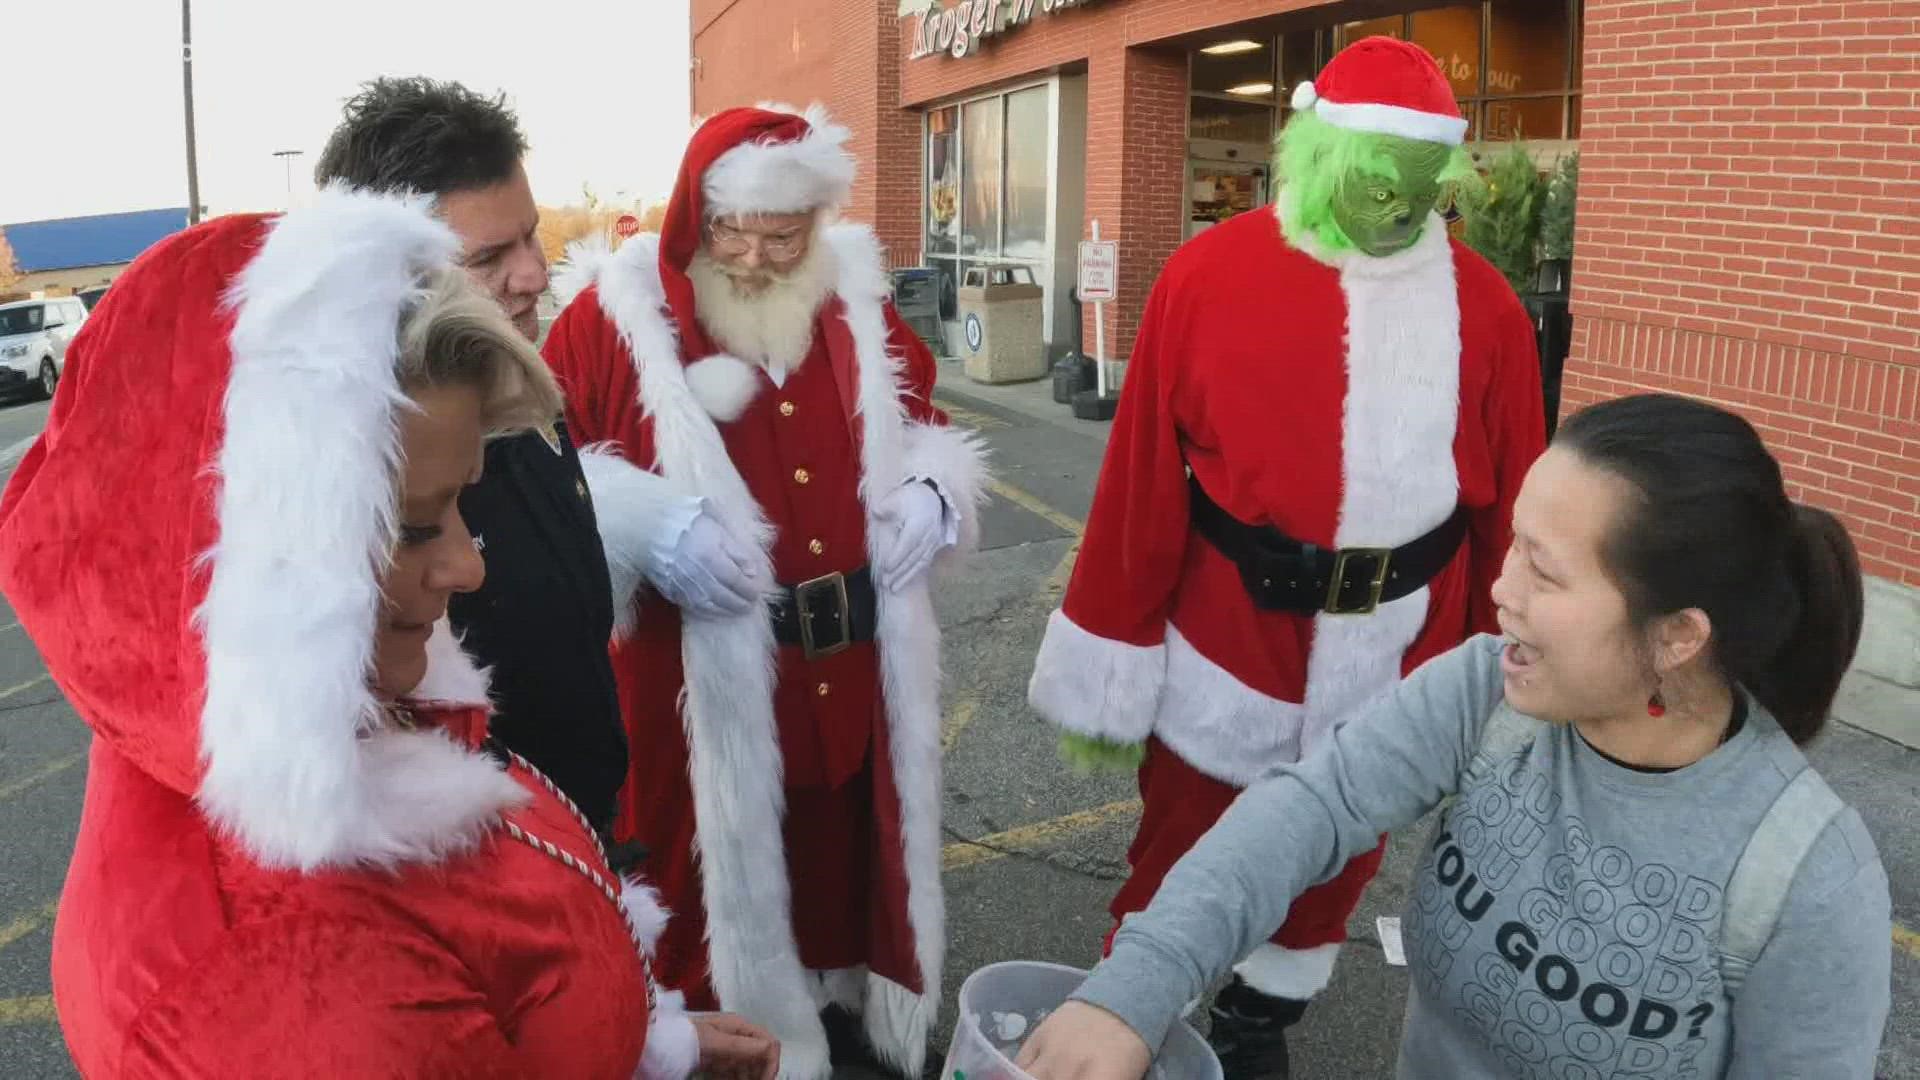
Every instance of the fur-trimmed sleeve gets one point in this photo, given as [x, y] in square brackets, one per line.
[1103, 661]
[954, 460]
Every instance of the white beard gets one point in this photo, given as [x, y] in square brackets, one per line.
[770, 328]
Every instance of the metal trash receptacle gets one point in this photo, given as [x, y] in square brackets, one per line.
[916, 296]
[1000, 322]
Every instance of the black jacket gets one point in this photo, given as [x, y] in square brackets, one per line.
[543, 618]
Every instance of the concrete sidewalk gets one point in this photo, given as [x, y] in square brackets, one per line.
[1873, 705]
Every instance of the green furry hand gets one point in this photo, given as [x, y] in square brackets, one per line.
[1088, 754]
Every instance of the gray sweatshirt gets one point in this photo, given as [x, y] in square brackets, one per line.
[1565, 917]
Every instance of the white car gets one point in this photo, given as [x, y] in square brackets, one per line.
[34, 335]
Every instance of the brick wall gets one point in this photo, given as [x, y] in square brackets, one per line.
[885, 136]
[1749, 232]
[748, 51]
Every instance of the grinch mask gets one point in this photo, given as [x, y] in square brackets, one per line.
[1360, 191]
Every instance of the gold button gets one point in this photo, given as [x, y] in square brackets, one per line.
[786, 408]
[816, 547]
[823, 689]
[801, 476]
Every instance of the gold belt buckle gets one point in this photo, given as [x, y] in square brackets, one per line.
[800, 593]
[1384, 558]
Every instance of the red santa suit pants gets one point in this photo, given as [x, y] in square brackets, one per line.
[1180, 804]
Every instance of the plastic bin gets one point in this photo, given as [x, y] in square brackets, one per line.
[1001, 1004]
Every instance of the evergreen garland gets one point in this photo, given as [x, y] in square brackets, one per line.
[1503, 216]
[1556, 215]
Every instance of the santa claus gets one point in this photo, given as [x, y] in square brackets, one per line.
[782, 488]
[1327, 414]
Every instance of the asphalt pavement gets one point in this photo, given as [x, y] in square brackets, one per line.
[1034, 851]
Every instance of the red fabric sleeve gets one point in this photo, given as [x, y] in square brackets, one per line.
[1515, 420]
[920, 370]
[308, 998]
[1136, 535]
[579, 346]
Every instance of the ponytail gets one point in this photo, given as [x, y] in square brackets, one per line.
[1798, 682]
[1711, 527]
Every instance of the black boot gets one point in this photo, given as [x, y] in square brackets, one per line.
[1249, 1032]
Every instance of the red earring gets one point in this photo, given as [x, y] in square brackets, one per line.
[1656, 707]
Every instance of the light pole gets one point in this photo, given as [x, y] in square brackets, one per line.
[186, 78]
[288, 156]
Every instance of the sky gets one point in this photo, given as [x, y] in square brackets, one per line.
[600, 87]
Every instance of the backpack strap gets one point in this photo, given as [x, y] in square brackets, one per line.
[1757, 891]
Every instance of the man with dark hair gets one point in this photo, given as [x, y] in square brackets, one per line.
[544, 617]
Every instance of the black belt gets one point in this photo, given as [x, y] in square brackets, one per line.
[1285, 574]
[826, 615]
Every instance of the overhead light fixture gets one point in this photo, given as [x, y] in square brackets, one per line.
[1229, 48]
[1251, 89]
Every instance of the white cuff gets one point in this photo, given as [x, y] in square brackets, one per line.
[676, 517]
[951, 519]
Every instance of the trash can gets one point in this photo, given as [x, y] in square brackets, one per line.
[1000, 317]
[1001, 1004]
[916, 296]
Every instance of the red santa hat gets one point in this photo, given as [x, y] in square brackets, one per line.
[770, 159]
[1387, 87]
[195, 541]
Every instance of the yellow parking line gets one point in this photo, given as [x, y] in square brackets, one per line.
[54, 768]
[26, 924]
[15, 625]
[1034, 506]
[962, 854]
[28, 685]
[27, 1010]
[962, 415]
[955, 722]
[1906, 941]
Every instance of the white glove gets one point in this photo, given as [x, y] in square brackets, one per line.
[913, 529]
[705, 571]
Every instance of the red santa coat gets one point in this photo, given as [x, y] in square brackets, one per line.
[276, 875]
[1347, 401]
[856, 416]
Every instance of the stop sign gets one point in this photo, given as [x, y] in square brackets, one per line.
[626, 225]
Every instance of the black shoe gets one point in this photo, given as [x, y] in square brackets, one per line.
[1249, 1032]
[846, 1039]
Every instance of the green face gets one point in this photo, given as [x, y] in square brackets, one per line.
[1382, 213]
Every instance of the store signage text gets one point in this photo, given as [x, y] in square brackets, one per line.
[958, 30]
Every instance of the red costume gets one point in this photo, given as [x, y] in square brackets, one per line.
[1347, 401]
[276, 874]
[790, 805]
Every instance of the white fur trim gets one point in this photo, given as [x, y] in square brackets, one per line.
[1398, 477]
[723, 385]
[451, 677]
[1304, 96]
[754, 963]
[581, 267]
[1298, 974]
[954, 459]
[629, 504]
[297, 766]
[782, 178]
[1372, 116]
[673, 1046]
[1220, 725]
[640, 903]
[1095, 686]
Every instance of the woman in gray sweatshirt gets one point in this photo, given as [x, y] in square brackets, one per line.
[1638, 875]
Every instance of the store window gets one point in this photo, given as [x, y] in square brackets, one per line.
[987, 187]
[1514, 64]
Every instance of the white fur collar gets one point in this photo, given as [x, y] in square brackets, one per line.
[298, 766]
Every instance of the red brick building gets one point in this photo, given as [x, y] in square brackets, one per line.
[1749, 210]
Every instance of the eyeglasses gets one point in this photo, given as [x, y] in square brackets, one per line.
[728, 240]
